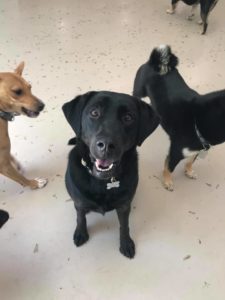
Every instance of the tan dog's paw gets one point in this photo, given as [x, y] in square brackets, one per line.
[200, 22]
[191, 174]
[168, 185]
[38, 183]
[170, 11]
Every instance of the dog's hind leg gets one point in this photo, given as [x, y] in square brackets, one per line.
[173, 7]
[189, 172]
[172, 160]
[127, 246]
[9, 171]
[81, 234]
[204, 22]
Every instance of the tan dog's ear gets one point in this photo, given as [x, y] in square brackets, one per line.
[19, 69]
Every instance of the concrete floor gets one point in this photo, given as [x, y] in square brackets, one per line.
[71, 47]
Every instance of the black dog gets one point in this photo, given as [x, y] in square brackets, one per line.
[193, 122]
[205, 7]
[4, 216]
[102, 172]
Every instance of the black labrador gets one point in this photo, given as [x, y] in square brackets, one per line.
[193, 122]
[102, 172]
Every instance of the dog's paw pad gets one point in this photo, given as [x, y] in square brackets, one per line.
[170, 11]
[80, 238]
[41, 182]
[127, 248]
[191, 174]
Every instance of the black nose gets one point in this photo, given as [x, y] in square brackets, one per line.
[40, 106]
[105, 146]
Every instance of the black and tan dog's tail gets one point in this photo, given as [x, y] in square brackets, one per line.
[163, 60]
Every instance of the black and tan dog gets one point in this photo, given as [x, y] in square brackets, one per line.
[193, 122]
[102, 172]
[206, 6]
[16, 99]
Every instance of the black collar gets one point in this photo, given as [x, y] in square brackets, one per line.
[7, 116]
[205, 144]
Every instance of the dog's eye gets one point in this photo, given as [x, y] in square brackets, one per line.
[18, 92]
[128, 118]
[95, 113]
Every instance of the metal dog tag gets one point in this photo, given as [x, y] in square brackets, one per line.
[202, 154]
[113, 184]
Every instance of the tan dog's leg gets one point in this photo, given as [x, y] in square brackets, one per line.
[9, 171]
[16, 164]
[189, 172]
[167, 177]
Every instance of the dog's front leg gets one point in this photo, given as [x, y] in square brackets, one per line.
[192, 13]
[81, 234]
[127, 246]
[173, 158]
[9, 171]
[189, 172]
[173, 7]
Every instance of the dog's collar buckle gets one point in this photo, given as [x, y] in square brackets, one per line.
[7, 116]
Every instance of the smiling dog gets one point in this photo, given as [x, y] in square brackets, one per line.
[16, 99]
[102, 172]
[206, 6]
[193, 122]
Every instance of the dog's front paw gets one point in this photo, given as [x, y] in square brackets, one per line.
[38, 183]
[190, 17]
[127, 247]
[170, 11]
[168, 185]
[80, 237]
[191, 174]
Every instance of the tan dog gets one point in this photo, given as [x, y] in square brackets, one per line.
[16, 99]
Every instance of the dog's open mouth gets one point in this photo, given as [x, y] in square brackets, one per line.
[104, 168]
[103, 165]
[30, 113]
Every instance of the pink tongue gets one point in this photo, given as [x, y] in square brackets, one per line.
[103, 162]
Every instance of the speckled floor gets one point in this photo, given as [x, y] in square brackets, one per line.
[71, 47]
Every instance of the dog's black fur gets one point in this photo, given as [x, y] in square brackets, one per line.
[205, 7]
[182, 110]
[4, 216]
[108, 126]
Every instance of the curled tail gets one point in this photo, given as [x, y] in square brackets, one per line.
[163, 60]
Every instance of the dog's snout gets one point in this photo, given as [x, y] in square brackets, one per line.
[105, 146]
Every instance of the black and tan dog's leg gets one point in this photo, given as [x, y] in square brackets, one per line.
[173, 158]
[173, 7]
[81, 234]
[9, 171]
[189, 172]
[127, 246]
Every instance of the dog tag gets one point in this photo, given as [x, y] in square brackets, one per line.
[202, 154]
[113, 184]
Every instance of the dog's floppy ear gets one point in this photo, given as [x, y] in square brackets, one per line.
[148, 121]
[73, 111]
[19, 68]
